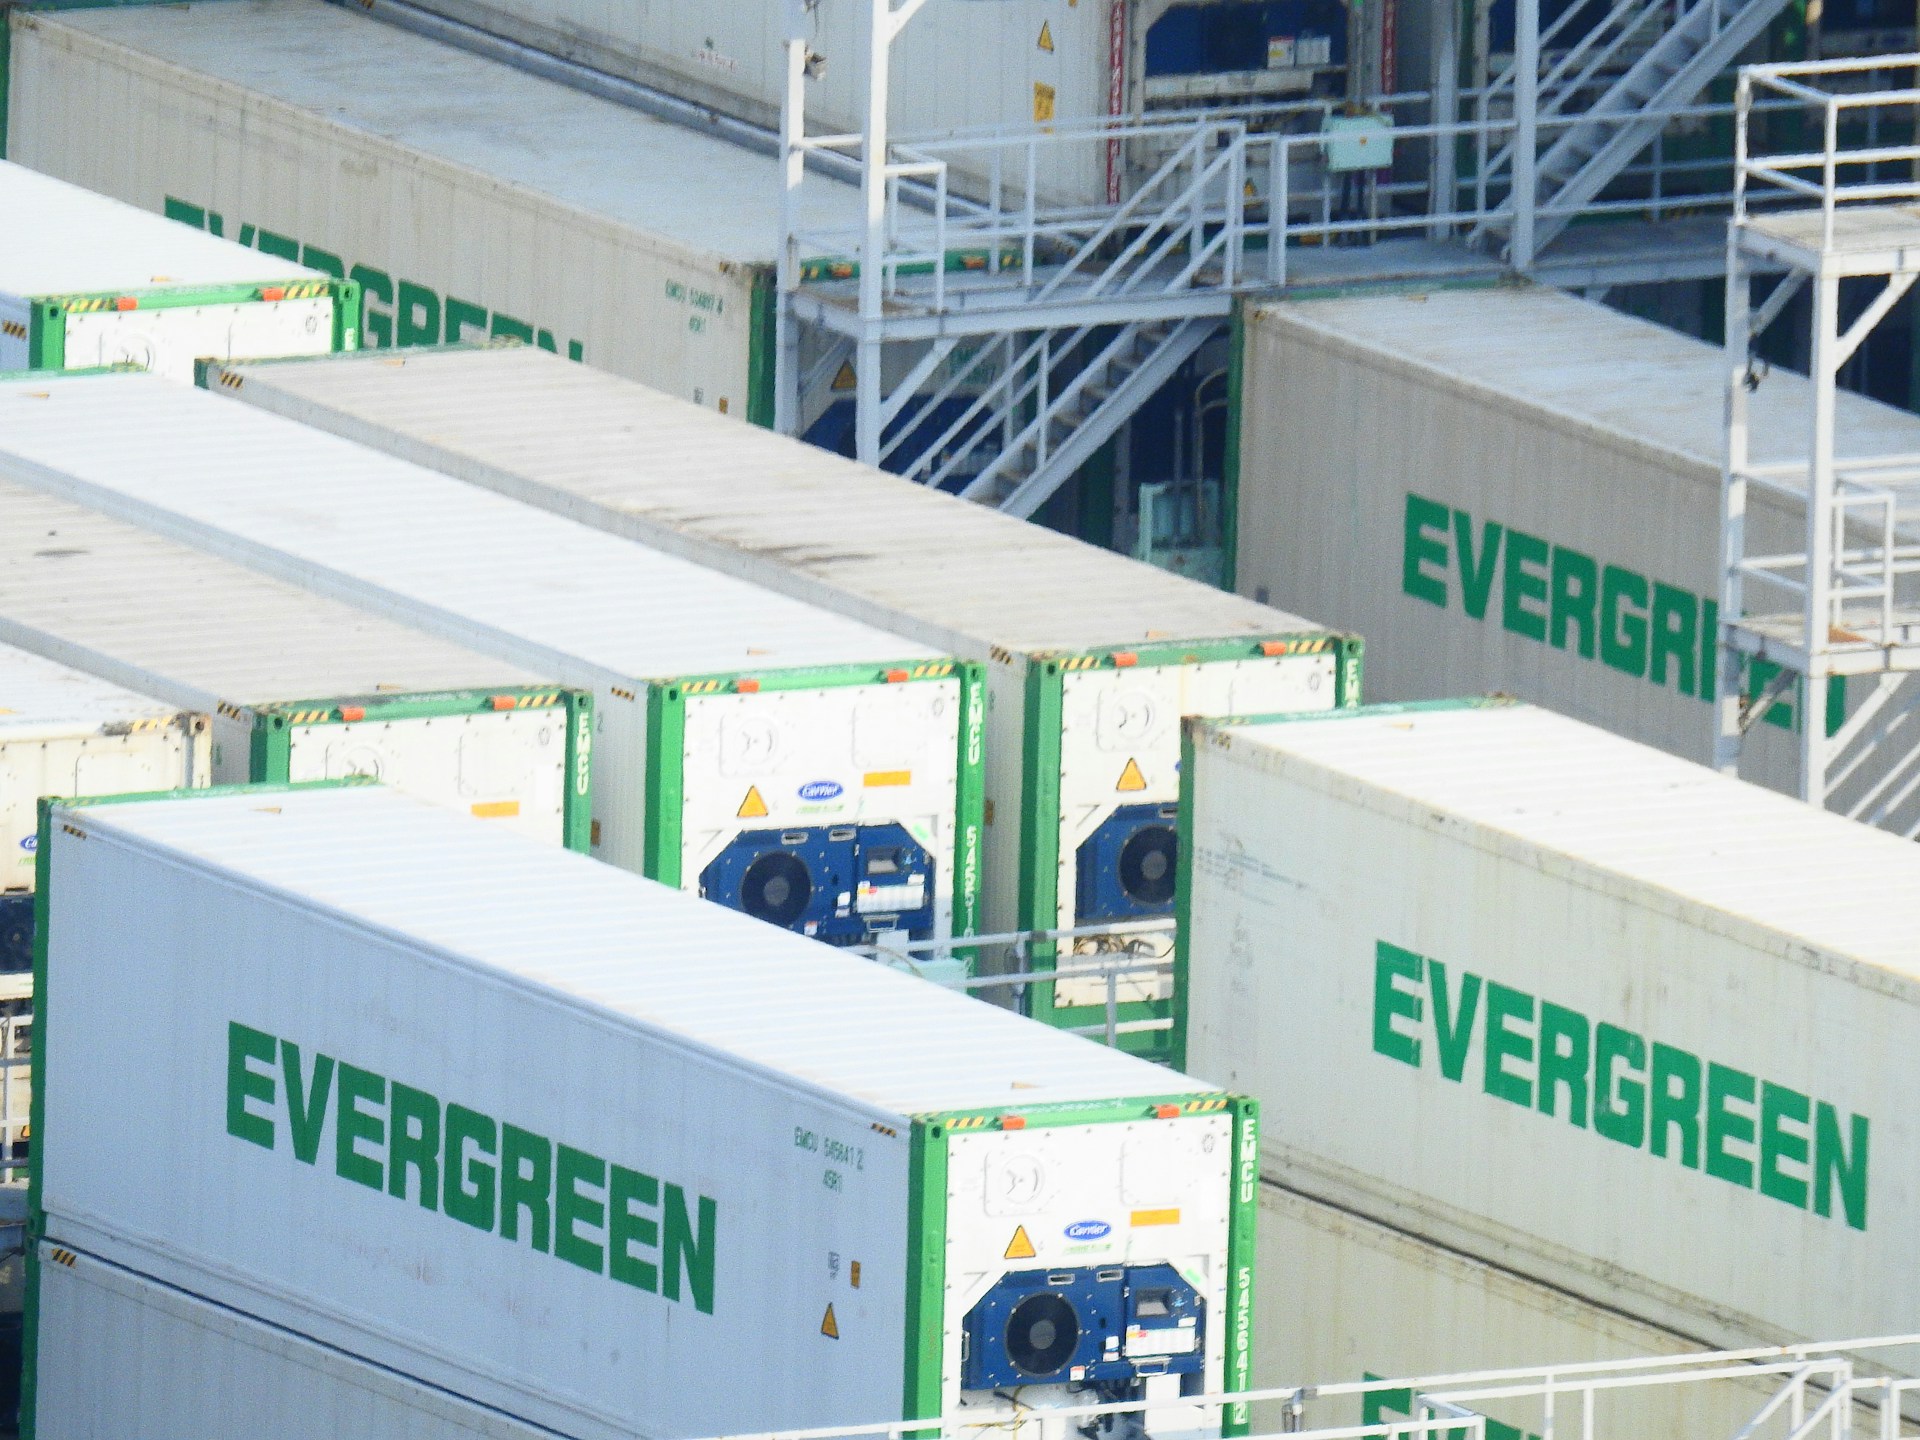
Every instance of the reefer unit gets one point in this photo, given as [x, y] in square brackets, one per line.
[1091, 659]
[86, 281]
[809, 769]
[1568, 1004]
[567, 1144]
[466, 197]
[298, 687]
[1513, 490]
[63, 732]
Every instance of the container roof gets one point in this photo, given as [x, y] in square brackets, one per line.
[1593, 367]
[599, 157]
[59, 239]
[618, 945]
[311, 507]
[945, 570]
[1563, 788]
[40, 697]
[81, 586]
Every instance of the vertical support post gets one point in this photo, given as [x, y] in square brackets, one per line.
[1482, 110]
[793, 168]
[868, 393]
[1823, 371]
[1733, 510]
[1444, 149]
[1526, 136]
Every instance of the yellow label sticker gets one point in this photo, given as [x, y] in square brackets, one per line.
[1042, 102]
[879, 779]
[752, 807]
[1156, 1217]
[495, 809]
[1020, 1247]
[1046, 37]
[853, 1273]
[843, 378]
[829, 1326]
[1131, 778]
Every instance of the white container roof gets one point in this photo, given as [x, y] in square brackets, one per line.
[945, 570]
[1593, 369]
[39, 698]
[635, 952]
[302, 503]
[603, 159]
[58, 239]
[1545, 790]
[114, 599]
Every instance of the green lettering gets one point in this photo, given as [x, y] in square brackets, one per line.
[1576, 593]
[418, 314]
[1778, 1106]
[414, 1143]
[314, 258]
[1391, 963]
[625, 1229]
[469, 1180]
[526, 1182]
[1832, 1163]
[1761, 674]
[244, 1083]
[1521, 585]
[1454, 1030]
[462, 312]
[571, 1208]
[1623, 632]
[183, 212]
[576, 352]
[1619, 1104]
[507, 325]
[1504, 1004]
[1709, 646]
[284, 246]
[306, 1104]
[378, 324]
[688, 1249]
[1725, 1125]
[545, 341]
[1418, 551]
[1675, 623]
[1476, 573]
[352, 1124]
[1564, 1048]
[1676, 1108]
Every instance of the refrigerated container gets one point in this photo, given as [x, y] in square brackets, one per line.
[1567, 1004]
[1091, 659]
[1510, 489]
[86, 280]
[562, 1142]
[815, 771]
[297, 686]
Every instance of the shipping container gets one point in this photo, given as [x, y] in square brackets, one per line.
[1513, 490]
[86, 280]
[65, 732]
[812, 770]
[467, 198]
[1567, 1004]
[298, 687]
[1091, 659]
[570, 1145]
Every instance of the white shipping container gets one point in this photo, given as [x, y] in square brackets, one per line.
[466, 198]
[766, 753]
[87, 281]
[1570, 1005]
[570, 1145]
[297, 687]
[1091, 659]
[1513, 490]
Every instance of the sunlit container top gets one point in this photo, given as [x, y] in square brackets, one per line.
[41, 698]
[494, 569]
[638, 954]
[1593, 369]
[58, 239]
[1549, 791]
[112, 597]
[959, 574]
[609, 162]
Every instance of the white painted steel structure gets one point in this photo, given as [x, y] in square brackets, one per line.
[1845, 601]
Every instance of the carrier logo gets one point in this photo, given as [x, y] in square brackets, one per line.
[29, 843]
[821, 790]
[1088, 1230]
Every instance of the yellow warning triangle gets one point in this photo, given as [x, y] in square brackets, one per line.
[1020, 1247]
[829, 1326]
[843, 377]
[1046, 37]
[1130, 778]
[753, 806]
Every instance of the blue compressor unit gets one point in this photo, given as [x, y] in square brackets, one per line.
[844, 884]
